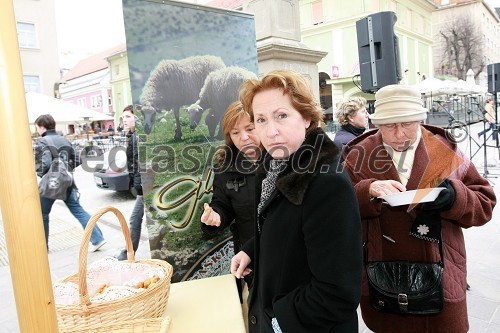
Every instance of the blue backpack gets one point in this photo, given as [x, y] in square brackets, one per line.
[56, 183]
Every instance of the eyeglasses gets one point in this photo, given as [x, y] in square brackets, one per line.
[407, 125]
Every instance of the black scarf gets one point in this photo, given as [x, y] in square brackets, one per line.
[357, 131]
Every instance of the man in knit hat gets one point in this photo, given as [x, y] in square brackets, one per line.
[403, 154]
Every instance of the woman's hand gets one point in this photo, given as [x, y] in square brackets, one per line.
[383, 187]
[239, 265]
[210, 217]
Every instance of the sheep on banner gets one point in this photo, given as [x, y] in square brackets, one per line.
[219, 91]
[182, 57]
[174, 84]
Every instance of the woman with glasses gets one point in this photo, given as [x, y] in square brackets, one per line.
[405, 155]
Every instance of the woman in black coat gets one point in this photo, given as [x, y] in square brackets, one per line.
[306, 254]
[232, 202]
[353, 119]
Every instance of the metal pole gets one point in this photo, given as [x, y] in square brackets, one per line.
[19, 199]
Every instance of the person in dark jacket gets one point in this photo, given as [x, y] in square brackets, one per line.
[353, 119]
[306, 254]
[135, 182]
[232, 202]
[46, 126]
[119, 129]
[233, 199]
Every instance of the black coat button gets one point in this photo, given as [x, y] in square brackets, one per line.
[253, 320]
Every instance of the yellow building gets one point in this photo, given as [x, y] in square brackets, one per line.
[120, 82]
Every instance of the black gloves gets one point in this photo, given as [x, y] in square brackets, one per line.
[427, 224]
[445, 199]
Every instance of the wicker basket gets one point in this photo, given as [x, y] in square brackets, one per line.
[151, 303]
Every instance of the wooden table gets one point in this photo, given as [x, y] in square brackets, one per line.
[205, 306]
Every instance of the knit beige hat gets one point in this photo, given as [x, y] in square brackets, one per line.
[398, 104]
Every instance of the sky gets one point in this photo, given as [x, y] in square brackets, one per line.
[494, 3]
[87, 27]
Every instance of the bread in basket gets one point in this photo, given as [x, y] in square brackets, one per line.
[147, 304]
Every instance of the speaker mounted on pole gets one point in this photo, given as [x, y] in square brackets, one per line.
[493, 78]
[378, 51]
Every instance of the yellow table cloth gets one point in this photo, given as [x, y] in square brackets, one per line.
[205, 306]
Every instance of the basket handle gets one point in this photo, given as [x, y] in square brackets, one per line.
[82, 264]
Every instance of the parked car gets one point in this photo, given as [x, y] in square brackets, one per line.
[113, 175]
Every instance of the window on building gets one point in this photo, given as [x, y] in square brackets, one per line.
[119, 101]
[26, 35]
[117, 69]
[81, 102]
[31, 83]
[409, 18]
[317, 12]
[96, 101]
[419, 22]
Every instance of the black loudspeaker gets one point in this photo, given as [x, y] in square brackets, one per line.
[494, 78]
[378, 51]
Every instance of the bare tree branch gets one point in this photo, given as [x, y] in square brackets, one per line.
[463, 47]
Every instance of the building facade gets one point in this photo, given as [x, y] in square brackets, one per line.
[330, 25]
[121, 93]
[37, 45]
[88, 84]
[483, 18]
[101, 83]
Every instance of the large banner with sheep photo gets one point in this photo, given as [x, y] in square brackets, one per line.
[186, 65]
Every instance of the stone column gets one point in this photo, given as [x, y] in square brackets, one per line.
[277, 27]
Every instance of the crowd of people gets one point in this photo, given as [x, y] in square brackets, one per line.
[308, 215]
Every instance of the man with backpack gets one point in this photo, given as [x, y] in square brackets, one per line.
[45, 150]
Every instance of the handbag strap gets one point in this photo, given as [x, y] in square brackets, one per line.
[440, 244]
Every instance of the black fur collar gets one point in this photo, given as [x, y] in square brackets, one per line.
[316, 151]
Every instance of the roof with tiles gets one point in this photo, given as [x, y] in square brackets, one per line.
[93, 63]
